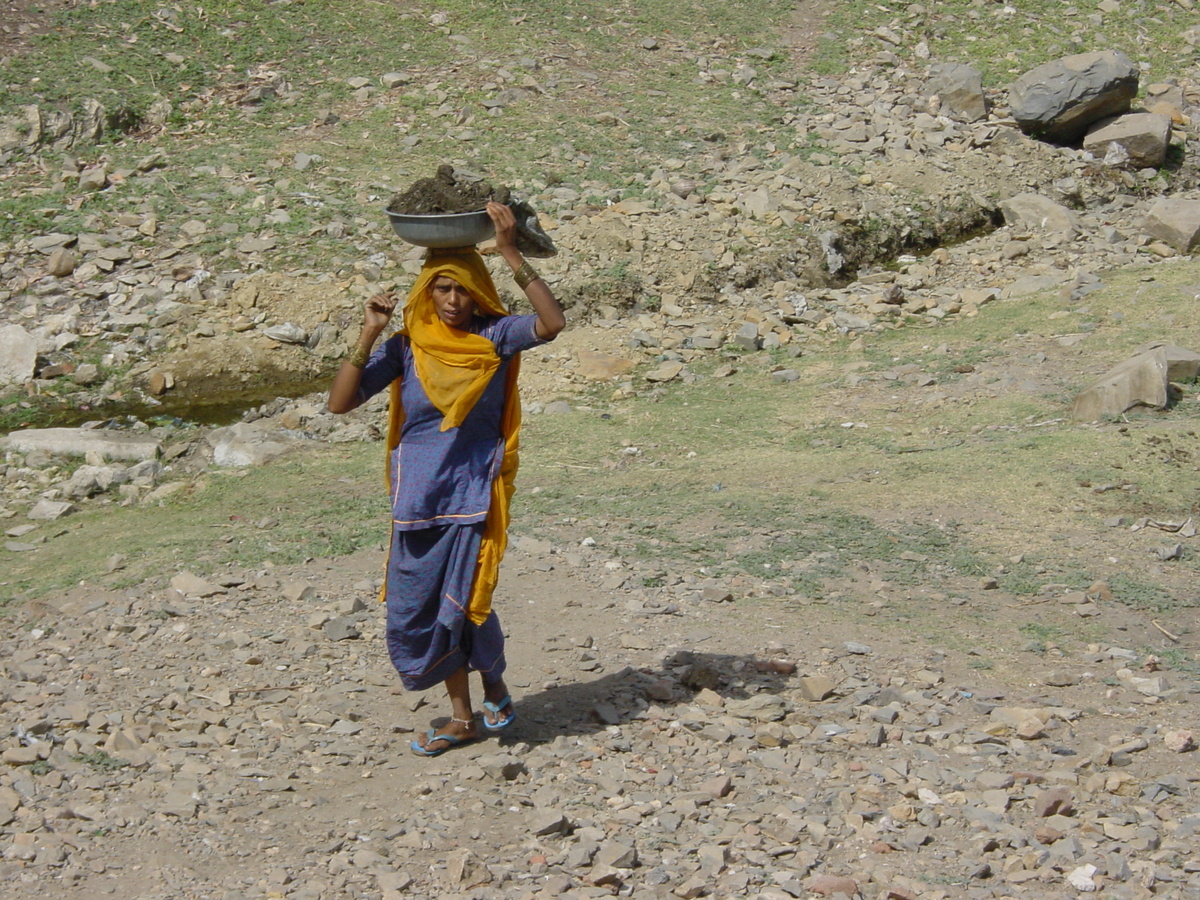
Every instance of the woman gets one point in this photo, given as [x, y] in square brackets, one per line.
[452, 456]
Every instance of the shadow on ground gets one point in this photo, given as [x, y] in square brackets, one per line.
[587, 707]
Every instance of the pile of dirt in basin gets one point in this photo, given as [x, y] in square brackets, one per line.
[447, 192]
[452, 192]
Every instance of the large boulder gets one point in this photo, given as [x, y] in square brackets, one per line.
[1135, 140]
[1143, 380]
[1175, 222]
[1057, 101]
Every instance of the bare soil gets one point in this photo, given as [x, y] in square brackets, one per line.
[446, 192]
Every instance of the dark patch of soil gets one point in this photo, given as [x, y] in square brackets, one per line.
[447, 192]
[24, 20]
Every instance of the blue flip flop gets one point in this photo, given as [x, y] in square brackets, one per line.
[430, 736]
[494, 708]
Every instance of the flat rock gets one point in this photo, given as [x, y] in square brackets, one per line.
[1142, 139]
[112, 445]
[1143, 380]
[1176, 222]
[18, 354]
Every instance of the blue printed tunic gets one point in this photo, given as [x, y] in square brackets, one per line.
[445, 477]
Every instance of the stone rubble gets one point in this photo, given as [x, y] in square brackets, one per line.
[235, 719]
[795, 245]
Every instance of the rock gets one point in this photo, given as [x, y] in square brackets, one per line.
[86, 374]
[548, 822]
[959, 87]
[666, 372]
[49, 510]
[1143, 380]
[247, 444]
[1058, 100]
[1143, 139]
[100, 443]
[1054, 802]
[596, 366]
[1175, 221]
[1179, 741]
[717, 787]
[343, 629]
[391, 80]
[828, 885]
[816, 688]
[1081, 878]
[89, 480]
[287, 333]
[616, 855]
[193, 586]
[18, 355]
[62, 262]
[93, 179]
[159, 382]
[1038, 212]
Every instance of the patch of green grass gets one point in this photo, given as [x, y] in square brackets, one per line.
[215, 524]
[1004, 40]
[1140, 594]
[102, 761]
[1177, 659]
[1042, 632]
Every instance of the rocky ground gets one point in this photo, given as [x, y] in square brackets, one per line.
[728, 238]
[241, 736]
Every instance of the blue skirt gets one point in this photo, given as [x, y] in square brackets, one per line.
[429, 637]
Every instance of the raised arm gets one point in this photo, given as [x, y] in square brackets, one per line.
[343, 395]
[550, 314]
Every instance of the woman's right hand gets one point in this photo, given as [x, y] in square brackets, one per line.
[378, 310]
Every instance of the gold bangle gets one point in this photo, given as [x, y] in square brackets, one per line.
[358, 357]
[526, 275]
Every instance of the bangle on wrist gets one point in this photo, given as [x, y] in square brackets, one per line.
[525, 275]
[358, 357]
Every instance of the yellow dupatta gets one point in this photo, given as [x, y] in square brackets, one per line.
[454, 367]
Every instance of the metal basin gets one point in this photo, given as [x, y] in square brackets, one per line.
[443, 230]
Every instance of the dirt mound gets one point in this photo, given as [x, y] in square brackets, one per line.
[447, 192]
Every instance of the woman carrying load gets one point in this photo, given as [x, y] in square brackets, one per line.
[452, 442]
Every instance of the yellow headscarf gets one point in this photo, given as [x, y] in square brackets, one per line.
[454, 367]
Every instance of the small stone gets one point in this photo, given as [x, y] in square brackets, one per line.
[62, 262]
[1054, 802]
[827, 885]
[343, 629]
[1179, 741]
[548, 822]
[816, 688]
[717, 787]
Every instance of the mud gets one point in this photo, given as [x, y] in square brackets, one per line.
[447, 192]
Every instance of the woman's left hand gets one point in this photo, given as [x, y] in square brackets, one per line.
[506, 225]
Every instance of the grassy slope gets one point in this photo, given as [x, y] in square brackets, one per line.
[608, 110]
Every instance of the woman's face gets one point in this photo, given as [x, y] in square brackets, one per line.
[454, 305]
